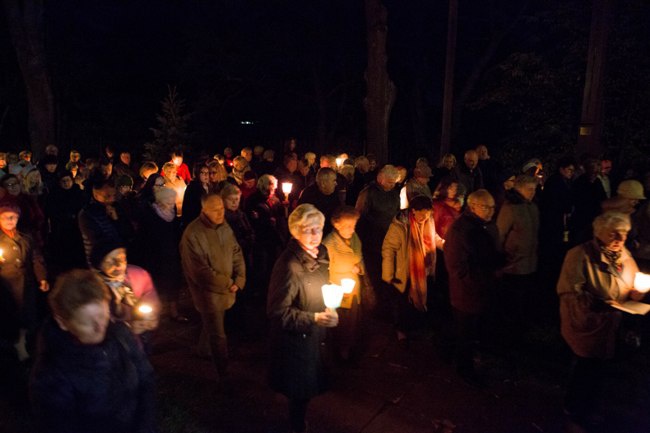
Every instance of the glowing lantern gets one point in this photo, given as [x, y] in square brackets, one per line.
[332, 295]
[348, 285]
[642, 282]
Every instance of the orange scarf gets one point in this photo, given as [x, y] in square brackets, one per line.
[422, 250]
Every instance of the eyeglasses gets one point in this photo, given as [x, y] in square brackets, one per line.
[486, 207]
[11, 185]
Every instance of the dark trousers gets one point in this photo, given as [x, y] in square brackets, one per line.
[467, 333]
[584, 387]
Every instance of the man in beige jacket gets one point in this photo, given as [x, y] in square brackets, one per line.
[214, 267]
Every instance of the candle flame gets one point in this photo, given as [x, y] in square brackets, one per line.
[145, 309]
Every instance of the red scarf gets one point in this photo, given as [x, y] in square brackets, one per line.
[421, 255]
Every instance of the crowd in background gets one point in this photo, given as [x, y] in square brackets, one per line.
[427, 245]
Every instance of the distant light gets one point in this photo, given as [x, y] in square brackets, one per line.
[247, 122]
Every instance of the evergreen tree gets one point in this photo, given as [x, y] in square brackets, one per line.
[171, 133]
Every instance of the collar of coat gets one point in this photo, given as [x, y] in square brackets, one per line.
[307, 261]
[206, 222]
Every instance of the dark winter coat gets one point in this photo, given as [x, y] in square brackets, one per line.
[327, 204]
[518, 225]
[98, 228]
[294, 296]
[377, 208]
[472, 259]
[192, 202]
[102, 388]
[62, 208]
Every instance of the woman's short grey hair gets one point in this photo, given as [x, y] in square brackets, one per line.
[228, 190]
[265, 181]
[610, 220]
[160, 194]
[301, 215]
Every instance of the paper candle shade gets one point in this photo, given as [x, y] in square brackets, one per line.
[348, 285]
[332, 295]
[286, 187]
[642, 282]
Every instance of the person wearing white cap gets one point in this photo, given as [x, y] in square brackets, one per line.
[628, 195]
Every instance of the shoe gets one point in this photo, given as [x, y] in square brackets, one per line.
[180, 319]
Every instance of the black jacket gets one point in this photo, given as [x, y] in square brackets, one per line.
[76, 388]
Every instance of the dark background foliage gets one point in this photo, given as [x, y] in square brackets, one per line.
[257, 72]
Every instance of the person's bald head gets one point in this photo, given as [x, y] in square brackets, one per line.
[471, 159]
[213, 209]
[481, 204]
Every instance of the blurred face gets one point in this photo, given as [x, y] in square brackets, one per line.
[509, 183]
[310, 234]
[452, 191]
[3, 162]
[247, 154]
[482, 152]
[448, 162]
[215, 174]
[345, 227]
[170, 172]
[204, 175]
[471, 160]
[606, 167]
[386, 183]
[292, 165]
[9, 220]
[159, 183]
[12, 185]
[114, 264]
[66, 182]
[483, 208]
[34, 178]
[214, 209]
[74, 157]
[51, 168]
[327, 184]
[106, 195]
[88, 323]
[527, 190]
[124, 189]
[270, 190]
[421, 215]
[147, 173]
[249, 183]
[125, 158]
[107, 170]
[232, 202]
[614, 237]
[567, 172]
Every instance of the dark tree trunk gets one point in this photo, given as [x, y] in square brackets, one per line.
[380, 94]
[592, 101]
[450, 63]
[25, 23]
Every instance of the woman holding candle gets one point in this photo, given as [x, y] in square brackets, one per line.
[594, 275]
[346, 261]
[89, 375]
[297, 314]
[130, 287]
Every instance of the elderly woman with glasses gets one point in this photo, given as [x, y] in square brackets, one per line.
[597, 276]
[298, 315]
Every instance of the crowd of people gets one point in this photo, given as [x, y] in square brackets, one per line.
[425, 246]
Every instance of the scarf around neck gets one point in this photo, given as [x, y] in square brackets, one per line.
[421, 247]
[166, 214]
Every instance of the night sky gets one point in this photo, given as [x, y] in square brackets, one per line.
[266, 62]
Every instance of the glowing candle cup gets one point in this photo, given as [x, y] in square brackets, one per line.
[348, 285]
[286, 188]
[339, 162]
[642, 282]
[145, 310]
[332, 295]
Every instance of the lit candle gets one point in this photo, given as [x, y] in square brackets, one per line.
[145, 310]
[348, 285]
[1, 254]
[339, 162]
[642, 282]
[332, 295]
[286, 188]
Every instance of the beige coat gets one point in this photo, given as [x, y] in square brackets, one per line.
[212, 262]
[589, 325]
[343, 258]
[395, 252]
